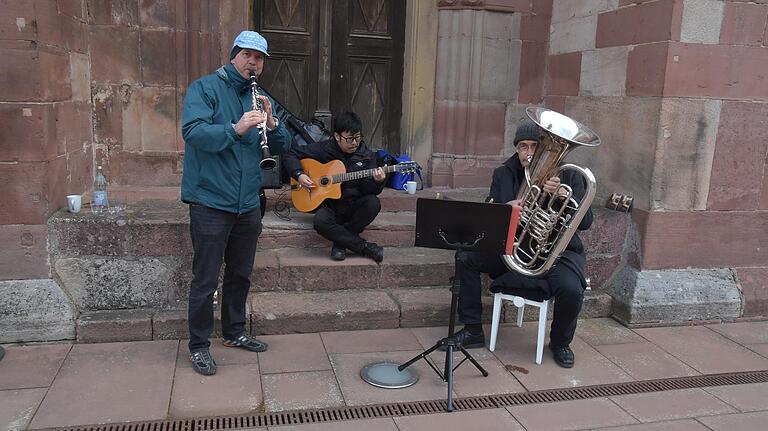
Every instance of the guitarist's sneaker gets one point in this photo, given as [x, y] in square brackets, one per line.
[338, 253]
[373, 251]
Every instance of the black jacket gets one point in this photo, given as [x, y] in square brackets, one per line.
[326, 151]
[506, 183]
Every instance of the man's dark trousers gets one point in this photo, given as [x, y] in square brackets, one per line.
[560, 282]
[220, 236]
[342, 221]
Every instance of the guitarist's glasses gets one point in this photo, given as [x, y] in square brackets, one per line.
[351, 138]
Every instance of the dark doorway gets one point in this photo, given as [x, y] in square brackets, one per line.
[331, 56]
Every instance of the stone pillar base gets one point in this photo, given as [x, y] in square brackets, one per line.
[35, 310]
[675, 296]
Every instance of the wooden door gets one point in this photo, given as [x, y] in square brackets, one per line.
[333, 56]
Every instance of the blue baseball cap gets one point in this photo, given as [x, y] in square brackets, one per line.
[250, 40]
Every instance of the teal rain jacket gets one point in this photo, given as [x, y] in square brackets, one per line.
[221, 169]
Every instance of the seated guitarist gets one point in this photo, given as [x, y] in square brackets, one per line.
[342, 220]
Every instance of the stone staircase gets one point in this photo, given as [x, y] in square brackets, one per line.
[129, 274]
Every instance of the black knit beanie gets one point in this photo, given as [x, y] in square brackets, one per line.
[527, 130]
[234, 52]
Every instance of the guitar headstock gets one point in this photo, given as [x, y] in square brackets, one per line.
[407, 167]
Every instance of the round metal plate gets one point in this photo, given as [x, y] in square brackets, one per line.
[384, 374]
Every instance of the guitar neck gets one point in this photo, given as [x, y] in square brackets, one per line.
[340, 178]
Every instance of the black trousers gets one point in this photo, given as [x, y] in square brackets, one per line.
[561, 282]
[220, 236]
[341, 221]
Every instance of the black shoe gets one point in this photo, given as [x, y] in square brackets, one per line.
[203, 362]
[246, 342]
[338, 253]
[2, 353]
[467, 339]
[563, 355]
[372, 251]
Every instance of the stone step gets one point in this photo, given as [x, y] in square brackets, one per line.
[301, 312]
[311, 269]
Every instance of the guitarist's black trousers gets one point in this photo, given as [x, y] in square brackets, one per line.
[342, 220]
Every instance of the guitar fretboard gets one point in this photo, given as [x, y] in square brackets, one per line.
[340, 178]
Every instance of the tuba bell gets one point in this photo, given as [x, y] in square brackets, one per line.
[548, 221]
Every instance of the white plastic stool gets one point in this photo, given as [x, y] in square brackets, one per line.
[520, 303]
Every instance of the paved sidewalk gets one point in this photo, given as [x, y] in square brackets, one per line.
[65, 384]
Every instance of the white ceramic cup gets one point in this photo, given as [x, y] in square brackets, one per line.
[74, 202]
[410, 187]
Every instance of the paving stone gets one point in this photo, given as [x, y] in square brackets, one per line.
[222, 354]
[694, 346]
[477, 420]
[679, 425]
[114, 325]
[743, 332]
[301, 390]
[645, 361]
[18, 406]
[657, 406]
[597, 332]
[516, 347]
[110, 382]
[746, 398]
[571, 415]
[375, 340]
[31, 366]
[234, 389]
[469, 382]
[293, 353]
[287, 312]
[305, 269]
[739, 421]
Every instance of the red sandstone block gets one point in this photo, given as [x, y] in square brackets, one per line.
[145, 169]
[266, 272]
[49, 23]
[607, 233]
[535, 26]
[24, 253]
[158, 65]
[57, 184]
[532, 64]
[743, 24]
[705, 239]
[161, 238]
[114, 325]
[18, 20]
[74, 33]
[108, 104]
[24, 193]
[646, 69]
[556, 103]
[644, 23]
[29, 132]
[73, 8]
[158, 13]
[716, 74]
[474, 128]
[113, 12]
[764, 192]
[110, 64]
[158, 119]
[492, 5]
[739, 159]
[563, 74]
[73, 126]
[754, 286]
[40, 69]
[601, 268]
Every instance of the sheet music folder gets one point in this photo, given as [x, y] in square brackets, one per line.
[462, 222]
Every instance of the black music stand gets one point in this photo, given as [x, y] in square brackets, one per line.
[460, 226]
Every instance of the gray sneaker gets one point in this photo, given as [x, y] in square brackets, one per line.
[203, 362]
[246, 342]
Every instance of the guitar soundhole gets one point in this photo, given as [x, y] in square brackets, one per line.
[324, 181]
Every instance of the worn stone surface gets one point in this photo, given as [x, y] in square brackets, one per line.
[644, 23]
[743, 24]
[110, 284]
[35, 310]
[604, 72]
[107, 326]
[406, 267]
[573, 35]
[754, 287]
[702, 21]
[659, 296]
[563, 74]
[24, 254]
[285, 312]
[684, 153]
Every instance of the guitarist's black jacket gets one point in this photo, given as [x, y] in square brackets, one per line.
[326, 151]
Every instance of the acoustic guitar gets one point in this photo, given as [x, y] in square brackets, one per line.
[328, 178]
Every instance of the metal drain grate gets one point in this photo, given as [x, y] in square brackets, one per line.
[424, 407]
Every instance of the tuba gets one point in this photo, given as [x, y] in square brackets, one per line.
[548, 221]
[267, 161]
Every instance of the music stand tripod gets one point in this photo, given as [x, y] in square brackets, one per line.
[460, 226]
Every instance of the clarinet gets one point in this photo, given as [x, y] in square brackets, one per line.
[267, 161]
